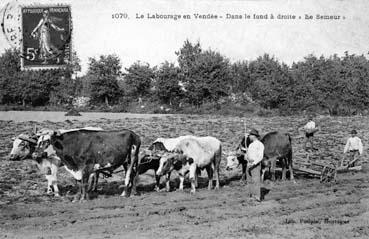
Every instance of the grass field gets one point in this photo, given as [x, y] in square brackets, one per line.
[307, 209]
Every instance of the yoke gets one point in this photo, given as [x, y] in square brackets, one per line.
[147, 158]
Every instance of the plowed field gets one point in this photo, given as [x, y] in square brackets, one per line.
[305, 209]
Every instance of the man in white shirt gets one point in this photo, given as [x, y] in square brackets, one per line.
[255, 153]
[354, 147]
[310, 129]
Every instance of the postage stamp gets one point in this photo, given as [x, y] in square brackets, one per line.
[46, 37]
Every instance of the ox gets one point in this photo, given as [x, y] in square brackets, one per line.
[23, 147]
[277, 147]
[161, 147]
[149, 162]
[191, 155]
[86, 152]
[167, 144]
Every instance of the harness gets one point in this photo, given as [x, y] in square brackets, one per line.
[107, 172]
[149, 159]
[27, 144]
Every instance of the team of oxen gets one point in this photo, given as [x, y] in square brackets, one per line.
[87, 153]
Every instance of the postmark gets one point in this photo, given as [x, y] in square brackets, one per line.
[11, 29]
[46, 37]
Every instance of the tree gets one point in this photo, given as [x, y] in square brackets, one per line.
[328, 84]
[25, 86]
[187, 56]
[10, 75]
[354, 77]
[305, 76]
[167, 84]
[241, 81]
[270, 81]
[67, 83]
[210, 78]
[205, 75]
[139, 79]
[103, 74]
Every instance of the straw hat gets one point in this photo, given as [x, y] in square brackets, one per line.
[254, 132]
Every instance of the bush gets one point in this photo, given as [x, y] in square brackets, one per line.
[265, 112]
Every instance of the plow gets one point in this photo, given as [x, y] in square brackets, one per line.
[326, 171]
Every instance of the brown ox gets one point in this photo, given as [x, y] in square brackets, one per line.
[277, 148]
[86, 152]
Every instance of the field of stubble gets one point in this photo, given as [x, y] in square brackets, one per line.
[307, 209]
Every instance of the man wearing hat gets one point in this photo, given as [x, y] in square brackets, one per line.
[255, 153]
[353, 146]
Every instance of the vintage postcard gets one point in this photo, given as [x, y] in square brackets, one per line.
[184, 119]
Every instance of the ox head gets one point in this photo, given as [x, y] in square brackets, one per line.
[157, 146]
[232, 161]
[234, 158]
[45, 145]
[172, 161]
[23, 146]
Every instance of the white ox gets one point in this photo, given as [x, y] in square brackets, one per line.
[190, 155]
[162, 148]
[23, 147]
[168, 144]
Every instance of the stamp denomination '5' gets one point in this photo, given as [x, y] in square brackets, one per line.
[46, 33]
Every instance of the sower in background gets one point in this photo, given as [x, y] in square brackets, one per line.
[255, 153]
[354, 147]
[310, 129]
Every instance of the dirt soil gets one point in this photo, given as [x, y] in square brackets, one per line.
[305, 209]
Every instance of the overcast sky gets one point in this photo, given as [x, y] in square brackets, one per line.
[95, 32]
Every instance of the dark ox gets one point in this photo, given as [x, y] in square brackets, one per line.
[277, 148]
[149, 162]
[85, 153]
[24, 146]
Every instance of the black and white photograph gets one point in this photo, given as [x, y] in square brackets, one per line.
[184, 119]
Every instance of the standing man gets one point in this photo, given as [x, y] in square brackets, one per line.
[310, 129]
[255, 154]
[354, 147]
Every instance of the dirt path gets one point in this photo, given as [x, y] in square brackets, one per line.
[53, 116]
[306, 209]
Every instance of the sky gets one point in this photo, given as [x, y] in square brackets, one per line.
[96, 32]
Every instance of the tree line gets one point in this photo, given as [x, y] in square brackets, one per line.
[338, 85]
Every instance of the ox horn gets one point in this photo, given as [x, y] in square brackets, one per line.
[32, 141]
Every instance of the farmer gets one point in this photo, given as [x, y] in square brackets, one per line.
[254, 156]
[310, 129]
[354, 147]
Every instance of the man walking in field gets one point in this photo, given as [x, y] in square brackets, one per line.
[310, 129]
[255, 154]
[354, 148]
